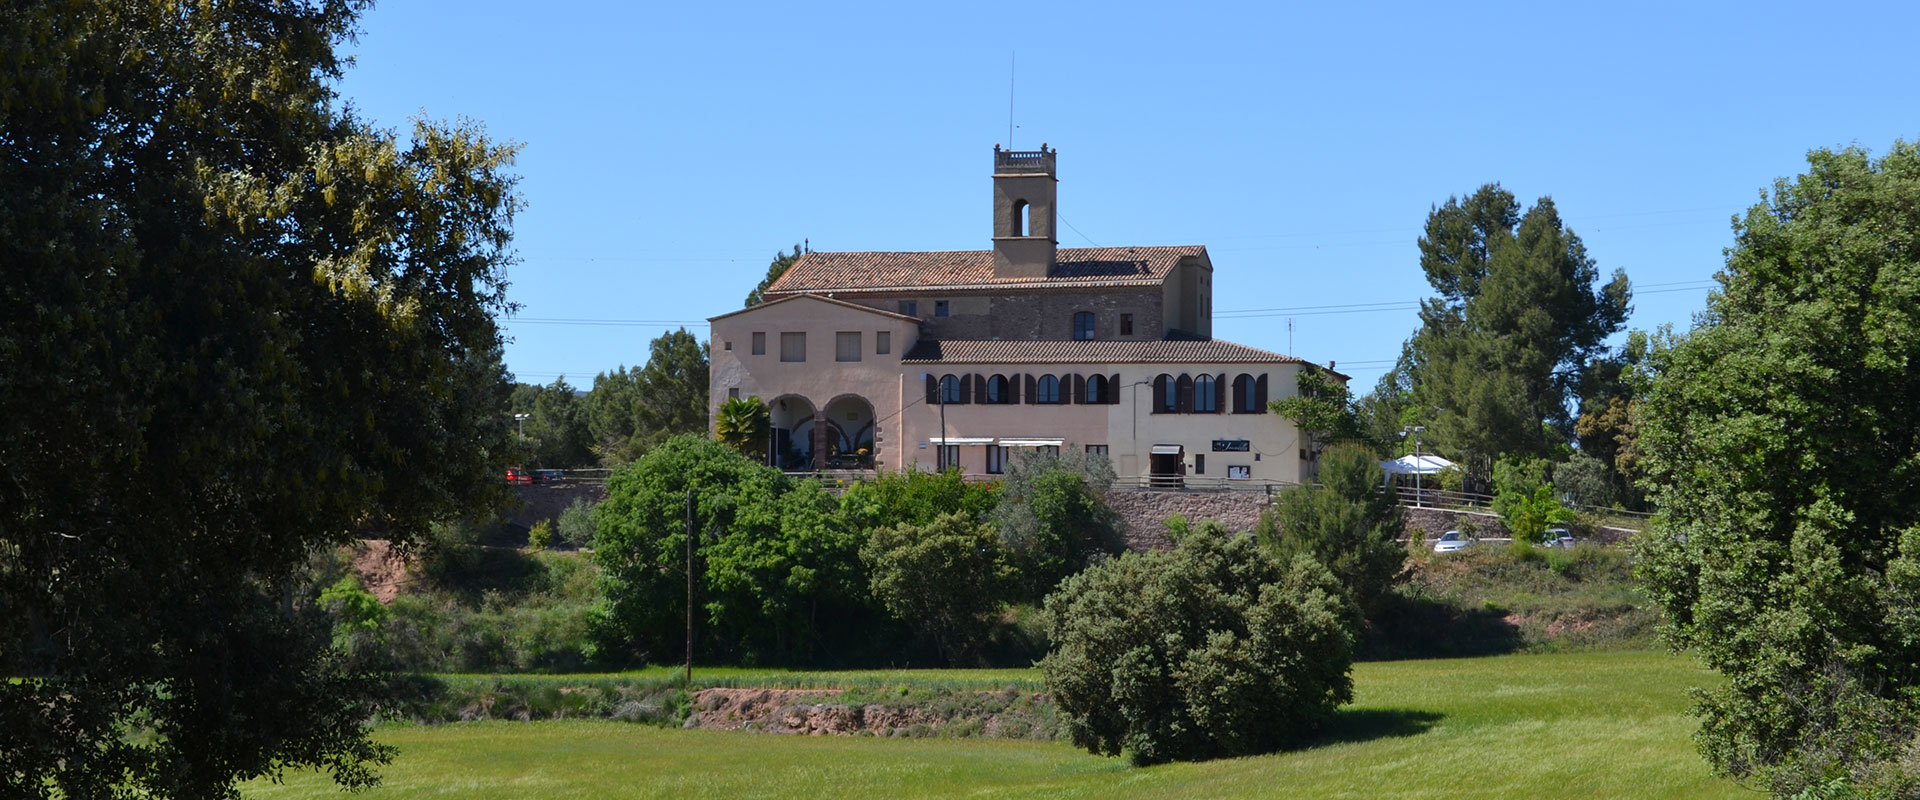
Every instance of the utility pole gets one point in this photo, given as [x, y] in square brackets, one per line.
[687, 680]
[1418, 490]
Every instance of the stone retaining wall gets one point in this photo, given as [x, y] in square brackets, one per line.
[1146, 511]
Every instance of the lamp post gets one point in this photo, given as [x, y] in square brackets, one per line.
[1418, 490]
[521, 421]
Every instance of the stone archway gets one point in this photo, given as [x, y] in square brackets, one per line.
[793, 439]
[848, 421]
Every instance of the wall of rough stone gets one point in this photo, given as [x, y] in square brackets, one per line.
[1145, 512]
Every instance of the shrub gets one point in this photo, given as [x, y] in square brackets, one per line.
[576, 523]
[1053, 518]
[1213, 649]
[1348, 524]
[540, 535]
[942, 579]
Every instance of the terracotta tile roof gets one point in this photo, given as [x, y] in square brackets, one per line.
[823, 299]
[958, 269]
[1164, 351]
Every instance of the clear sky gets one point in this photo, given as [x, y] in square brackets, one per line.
[672, 148]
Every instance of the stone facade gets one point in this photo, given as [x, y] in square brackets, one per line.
[1146, 512]
[1032, 315]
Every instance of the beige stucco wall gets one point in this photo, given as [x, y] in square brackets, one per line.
[820, 379]
[1135, 429]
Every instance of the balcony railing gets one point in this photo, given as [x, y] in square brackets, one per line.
[1019, 161]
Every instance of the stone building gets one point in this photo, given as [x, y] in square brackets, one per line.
[929, 359]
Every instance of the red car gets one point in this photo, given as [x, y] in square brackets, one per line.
[518, 475]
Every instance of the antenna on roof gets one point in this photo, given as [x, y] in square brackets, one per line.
[1012, 62]
[808, 244]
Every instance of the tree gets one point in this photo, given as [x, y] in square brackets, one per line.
[1525, 500]
[771, 558]
[1348, 523]
[554, 433]
[941, 579]
[1214, 649]
[1517, 320]
[743, 425]
[240, 324]
[633, 410]
[781, 263]
[1782, 449]
[1053, 518]
[914, 498]
[1322, 409]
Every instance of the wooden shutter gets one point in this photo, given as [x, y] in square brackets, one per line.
[966, 389]
[980, 389]
[1260, 395]
[1219, 388]
[1013, 388]
[1160, 394]
[933, 390]
[1075, 387]
[1033, 389]
[1185, 389]
[1113, 389]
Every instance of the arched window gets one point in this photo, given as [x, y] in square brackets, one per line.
[1049, 389]
[1096, 391]
[1247, 395]
[1206, 398]
[949, 389]
[997, 391]
[1083, 325]
[1019, 218]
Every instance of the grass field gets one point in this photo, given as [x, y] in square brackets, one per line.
[1531, 726]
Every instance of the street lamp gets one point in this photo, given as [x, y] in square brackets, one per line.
[1416, 430]
[521, 420]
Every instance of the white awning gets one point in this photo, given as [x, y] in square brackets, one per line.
[1415, 465]
[1032, 442]
[1167, 450]
[961, 440]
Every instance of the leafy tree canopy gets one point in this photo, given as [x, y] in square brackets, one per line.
[942, 579]
[1349, 523]
[1214, 649]
[632, 410]
[1322, 408]
[1054, 519]
[240, 324]
[554, 434]
[743, 424]
[781, 263]
[1519, 316]
[1782, 446]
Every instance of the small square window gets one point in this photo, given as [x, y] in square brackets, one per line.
[910, 308]
[759, 343]
[882, 343]
[733, 393]
[729, 346]
[939, 308]
[793, 346]
[1126, 324]
[846, 346]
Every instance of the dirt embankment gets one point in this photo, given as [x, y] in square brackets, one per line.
[828, 712]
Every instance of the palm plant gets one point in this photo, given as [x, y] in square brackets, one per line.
[743, 426]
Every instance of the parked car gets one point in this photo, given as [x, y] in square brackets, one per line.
[549, 476]
[518, 475]
[1451, 541]
[1559, 536]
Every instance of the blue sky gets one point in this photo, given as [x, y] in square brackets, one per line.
[672, 149]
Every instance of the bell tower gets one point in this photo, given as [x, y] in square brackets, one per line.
[1024, 188]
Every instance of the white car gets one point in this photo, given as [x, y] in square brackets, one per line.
[1451, 541]
[1559, 536]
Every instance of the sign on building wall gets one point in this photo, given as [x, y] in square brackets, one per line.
[1231, 445]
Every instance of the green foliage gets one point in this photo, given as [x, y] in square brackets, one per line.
[1348, 523]
[554, 432]
[1321, 408]
[772, 558]
[631, 411]
[1781, 445]
[914, 498]
[240, 323]
[1214, 649]
[1518, 318]
[540, 536]
[743, 424]
[942, 580]
[576, 523]
[1585, 480]
[781, 263]
[1053, 519]
[357, 615]
[504, 611]
[1525, 501]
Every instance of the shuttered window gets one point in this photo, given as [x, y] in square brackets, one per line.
[793, 347]
[846, 346]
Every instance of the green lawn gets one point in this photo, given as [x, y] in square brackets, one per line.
[1561, 725]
